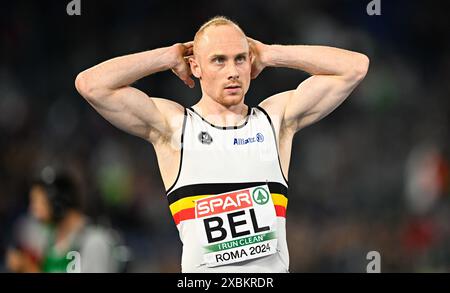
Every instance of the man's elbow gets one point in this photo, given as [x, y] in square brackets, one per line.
[82, 85]
[360, 67]
[86, 87]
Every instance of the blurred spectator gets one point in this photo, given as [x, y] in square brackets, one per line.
[44, 246]
[427, 177]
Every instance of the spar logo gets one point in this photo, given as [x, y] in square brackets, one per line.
[260, 195]
[224, 203]
[231, 215]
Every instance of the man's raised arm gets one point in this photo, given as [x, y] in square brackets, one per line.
[106, 87]
[335, 74]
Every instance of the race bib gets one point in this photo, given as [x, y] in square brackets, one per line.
[236, 226]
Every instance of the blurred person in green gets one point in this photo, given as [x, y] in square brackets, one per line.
[73, 243]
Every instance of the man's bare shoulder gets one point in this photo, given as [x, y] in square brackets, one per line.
[167, 107]
[173, 114]
[275, 106]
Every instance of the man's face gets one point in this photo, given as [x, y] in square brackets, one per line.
[39, 204]
[222, 62]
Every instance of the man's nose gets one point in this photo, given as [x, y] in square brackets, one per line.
[233, 72]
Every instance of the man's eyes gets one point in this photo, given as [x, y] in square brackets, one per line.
[221, 60]
[240, 59]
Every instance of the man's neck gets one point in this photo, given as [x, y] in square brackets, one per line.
[221, 115]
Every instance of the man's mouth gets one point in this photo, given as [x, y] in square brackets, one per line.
[236, 86]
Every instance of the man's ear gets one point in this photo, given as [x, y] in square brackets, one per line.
[195, 68]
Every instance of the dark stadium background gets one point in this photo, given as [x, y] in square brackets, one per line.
[374, 175]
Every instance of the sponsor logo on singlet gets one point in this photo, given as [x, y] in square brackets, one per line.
[205, 138]
[236, 226]
[242, 141]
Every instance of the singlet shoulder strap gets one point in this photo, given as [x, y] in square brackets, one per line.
[275, 138]
[181, 152]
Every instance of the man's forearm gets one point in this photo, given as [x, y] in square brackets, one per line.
[315, 60]
[125, 70]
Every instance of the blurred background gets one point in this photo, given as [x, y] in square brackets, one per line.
[374, 175]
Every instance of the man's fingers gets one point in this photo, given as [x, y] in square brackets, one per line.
[251, 41]
[183, 70]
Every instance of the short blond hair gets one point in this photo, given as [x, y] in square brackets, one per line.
[216, 21]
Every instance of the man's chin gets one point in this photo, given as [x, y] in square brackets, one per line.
[231, 100]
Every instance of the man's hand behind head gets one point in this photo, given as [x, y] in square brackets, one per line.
[257, 51]
[182, 69]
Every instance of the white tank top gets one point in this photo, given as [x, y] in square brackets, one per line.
[242, 231]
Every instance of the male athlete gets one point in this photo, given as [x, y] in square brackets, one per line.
[224, 164]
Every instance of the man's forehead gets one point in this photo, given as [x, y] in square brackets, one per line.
[221, 40]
